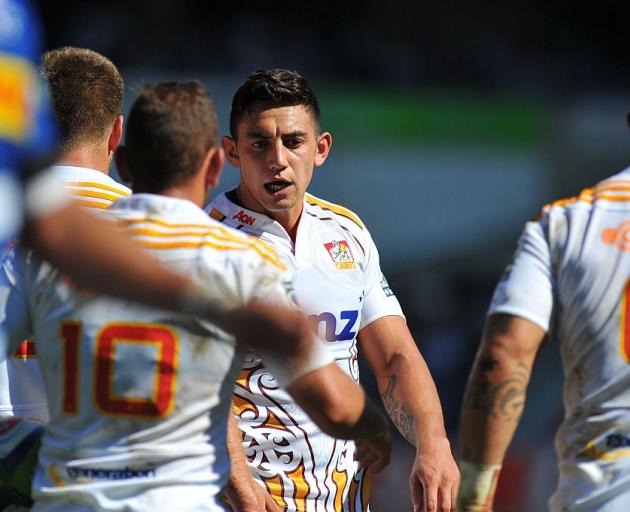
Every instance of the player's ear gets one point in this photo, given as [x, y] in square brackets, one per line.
[229, 147]
[214, 165]
[116, 134]
[324, 143]
[121, 164]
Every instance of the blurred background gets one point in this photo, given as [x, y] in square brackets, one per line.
[453, 123]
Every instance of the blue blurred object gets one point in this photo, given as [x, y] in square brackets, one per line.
[27, 129]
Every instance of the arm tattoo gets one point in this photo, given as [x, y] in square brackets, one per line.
[399, 414]
[502, 399]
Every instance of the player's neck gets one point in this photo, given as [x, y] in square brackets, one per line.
[87, 156]
[288, 219]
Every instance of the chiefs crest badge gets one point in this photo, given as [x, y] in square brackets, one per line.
[341, 254]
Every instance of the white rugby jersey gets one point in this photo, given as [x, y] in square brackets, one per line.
[21, 389]
[571, 276]
[339, 285]
[139, 397]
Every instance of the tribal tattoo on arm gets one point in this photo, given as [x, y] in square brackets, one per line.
[501, 397]
[398, 413]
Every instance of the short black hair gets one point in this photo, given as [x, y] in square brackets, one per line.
[272, 88]
[170, 128]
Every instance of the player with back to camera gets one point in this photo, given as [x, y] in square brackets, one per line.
[86, 91]
[139, 397]
[276, 142]
[569, 278]
[34, 207]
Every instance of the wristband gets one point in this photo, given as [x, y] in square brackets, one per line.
[477, 486]
[288, 370]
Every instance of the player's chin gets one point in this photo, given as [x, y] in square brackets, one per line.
[280, 204]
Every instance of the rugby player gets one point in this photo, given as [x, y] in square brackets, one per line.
[87, 92]
[34, 206]
[139, 397]
[569, 278]
[276, 141]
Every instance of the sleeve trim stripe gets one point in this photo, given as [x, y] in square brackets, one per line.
[522, 313]
[335, 208]
[218, 233]
[93, 194]
[206, 243]
[122, 192]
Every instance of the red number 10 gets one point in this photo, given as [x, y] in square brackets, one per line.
[625, 323]
[109, 337]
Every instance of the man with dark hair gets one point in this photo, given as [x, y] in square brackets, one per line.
[153, 170]
[84, 247]
[276, 142]
[139, 397]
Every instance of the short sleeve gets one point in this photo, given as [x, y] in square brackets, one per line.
[527, 287]
[379, 299]
[14, 308]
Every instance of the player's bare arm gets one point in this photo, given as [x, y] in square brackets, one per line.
[242, 493]
[333, 400]
[493, 404]
[101, 253]
[400, 372]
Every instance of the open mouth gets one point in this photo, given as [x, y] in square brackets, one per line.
[276, 186]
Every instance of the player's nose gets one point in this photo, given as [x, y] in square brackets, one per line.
[277, 156]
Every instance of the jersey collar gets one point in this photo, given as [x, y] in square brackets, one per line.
[225, 209]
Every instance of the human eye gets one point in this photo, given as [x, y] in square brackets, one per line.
[260, 143]
[293, 142]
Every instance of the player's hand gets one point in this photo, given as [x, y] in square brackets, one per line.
[374, 453]
[434, 478]
[269, 503]
[236, 501]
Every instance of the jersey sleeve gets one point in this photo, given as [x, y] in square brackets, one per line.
[527, 287]
[14, 307]
[379, 299]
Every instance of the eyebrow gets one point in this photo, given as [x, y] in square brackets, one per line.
[260, 135]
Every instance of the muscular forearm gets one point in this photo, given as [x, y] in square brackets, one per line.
[495, 394]
[411, 399]
[337, 404]
[493, 404]
[241, 489]
[403, 378]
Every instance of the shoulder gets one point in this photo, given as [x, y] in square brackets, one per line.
[201, 238]
[255, 251]
[613, 190]
[90, 187]
[327, 210]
